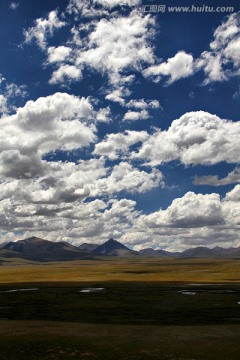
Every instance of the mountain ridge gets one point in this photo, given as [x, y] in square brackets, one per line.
[113, 248]
[37, 249]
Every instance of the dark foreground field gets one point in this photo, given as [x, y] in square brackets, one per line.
[40, 340]
[147, 318]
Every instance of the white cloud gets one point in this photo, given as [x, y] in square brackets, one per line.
[85, 9]
[192, 210]
[142, 104]
[212, 65]
[118, 95]
[124, 177]
[177, 67]
[117, 145]
[65, 73]
[50, 203]
[58, 54]
[103, 115]
[219, 63]
[47, 195]
[222, 61]
[59, 121]
[112, 46]
[213, 180]
[118, 43]
[232, 52]
[154, 104]
[43, 29]
[9, 92]
[195, 138]
[233, 195]
[193, 220]
[56, 200]
[112, 3]
[225, 32]
[136, 115]
[231, 206]
[13, 91]
[91, 9]
[3, 104]
[137, 104]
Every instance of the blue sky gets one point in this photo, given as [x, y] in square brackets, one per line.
[120, 120]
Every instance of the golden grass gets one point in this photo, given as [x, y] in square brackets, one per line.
[159, 270]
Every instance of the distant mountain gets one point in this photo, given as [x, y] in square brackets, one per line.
[3, 244]
[197, 252]
[165, 253]
[148, 252]
[200, 252]
[38, 249]
[88, 246]
[157, 253]
[228, 253]
[113, 248]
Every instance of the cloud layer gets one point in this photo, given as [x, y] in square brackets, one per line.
[76, 168]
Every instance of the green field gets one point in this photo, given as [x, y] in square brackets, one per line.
[144, 311]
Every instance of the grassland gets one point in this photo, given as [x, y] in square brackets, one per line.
[163, 270]
[141, 313]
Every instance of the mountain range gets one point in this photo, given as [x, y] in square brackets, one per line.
[36, 249]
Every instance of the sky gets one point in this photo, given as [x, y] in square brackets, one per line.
[120, 119]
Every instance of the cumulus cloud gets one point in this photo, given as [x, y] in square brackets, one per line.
[40, 192]
[233, 195]
[193, 220]
[16, 165]
[3, 104]
[58, 54]
[222, 61]
[212, 65]
[104, 115]
[91, 9]
[112, 46]
[175, 68]
[85, 9]
[43, 29]
[231, 206]
[196, 138]
[65, 73]
[142, 104]
[56, 200]
[117, 145]
[192, 210]
[112, 3]
[119, 94]
[136, 115]
[118, 43]
[59, 121]
[60, 207]
[124, 177]
[214, 180]
[219, 63]
[47, 195]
